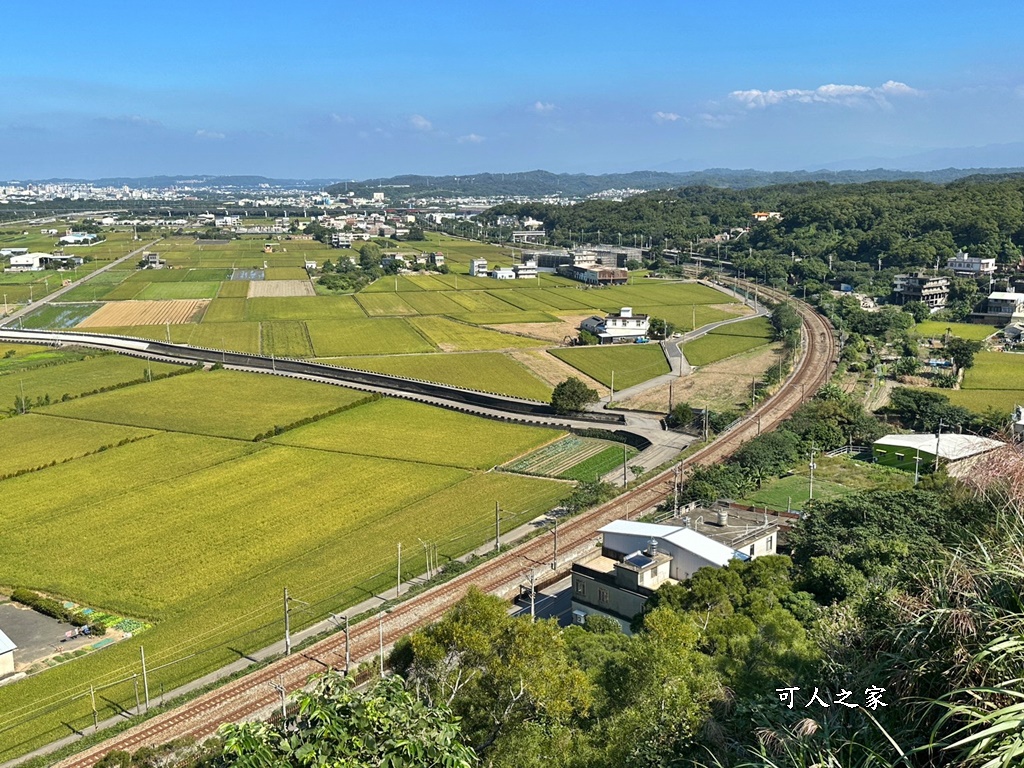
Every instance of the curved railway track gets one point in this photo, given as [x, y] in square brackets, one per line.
[254, 695]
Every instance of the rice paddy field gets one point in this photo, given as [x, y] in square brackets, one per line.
[727, 341]
[933, 329]
[573, 458]
[629, 364]
[217, 491]
[210, 525]
[996, 380]
[483, 371]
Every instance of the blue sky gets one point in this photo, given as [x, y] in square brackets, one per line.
[355, 90]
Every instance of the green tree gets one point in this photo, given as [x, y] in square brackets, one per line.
[333, 724]
[918, 310]
[499, 673]
[572, 396]
[961, 352]
[661, 329]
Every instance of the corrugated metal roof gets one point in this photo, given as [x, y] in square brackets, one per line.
[6, 644]
[633, 528]
[700, 545]
[952, 447]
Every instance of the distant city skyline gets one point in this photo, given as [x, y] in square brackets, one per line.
[332, 90]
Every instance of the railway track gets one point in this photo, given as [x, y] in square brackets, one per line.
[255, 694]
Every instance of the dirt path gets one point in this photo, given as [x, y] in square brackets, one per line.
[568, 325]
[723, 385]
[552, 370]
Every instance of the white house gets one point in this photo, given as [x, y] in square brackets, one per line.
[622, 325]
[77, 238]
[28, 262]
[526, 270]
[636, 559]
[478, 268]
[973, 266]
[503, 273]
[1005, 304]
[7, 648]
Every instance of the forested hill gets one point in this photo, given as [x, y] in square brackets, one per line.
[542, 183]
[903, 223]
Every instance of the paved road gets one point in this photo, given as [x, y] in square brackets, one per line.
[13, 316]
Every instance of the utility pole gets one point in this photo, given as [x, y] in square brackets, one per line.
[287, 620]
[398, 586]
[95, 714]
[348, 647]
[705, 422]
[287, 625]
[611, 394]
[380, 632]
[554, 560]
[917, 466]
[145, 677]
[624, 479]
[753, 390]
[938, 437]
[284, 706]
[497, 527]
[670, 397]
[533, 595]
[675, 490]
[812, 466]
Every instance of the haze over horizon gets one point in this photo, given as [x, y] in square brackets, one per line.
[343, 91]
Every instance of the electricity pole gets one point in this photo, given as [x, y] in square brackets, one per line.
[145, 677]
[398, 586]
[497, 527]
[812, 466]
[533, 595]
[554, 560]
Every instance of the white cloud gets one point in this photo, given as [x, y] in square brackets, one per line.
[470, 138]
[337, 119]
[844, 95]
[714, 120]
[542, 107]
[665, 117]
[420, 123]
[213, 135]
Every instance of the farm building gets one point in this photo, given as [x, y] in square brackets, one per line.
[956, 452]
[637, 558]
[7, 648]
[27, 262]
[595, 275]
[618, 326]
[77, 238]
[503, 273]
[5, 252]
[478, 268]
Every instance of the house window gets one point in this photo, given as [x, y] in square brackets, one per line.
[751, 550]
[581, 587]
[602, 596]
[768, 545]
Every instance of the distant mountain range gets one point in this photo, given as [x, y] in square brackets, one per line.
[545, 183]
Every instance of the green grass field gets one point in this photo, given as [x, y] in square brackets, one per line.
[631, 363]
[598, 466]
[933, 329]
[239, 405]
[75, 378]
[286, 273]
[452, 336]
[233, 289]
[382, 336]
[714, 347]
[384, 304]
[225, 311]
[182, 290]
[35, 440]
[484, 371]
[980, 400]
[995, 370]
[285, 338]
[833, 476]
[757, 327]
[303, 308]
[209, 529]
[428, 435]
